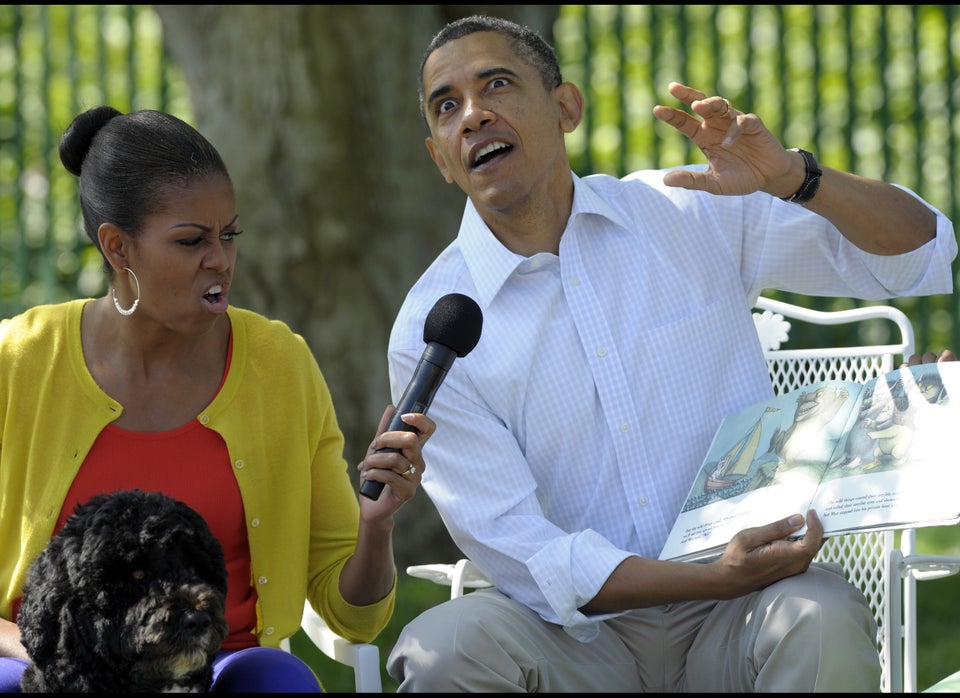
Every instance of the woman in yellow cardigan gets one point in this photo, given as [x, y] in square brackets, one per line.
[160, 385]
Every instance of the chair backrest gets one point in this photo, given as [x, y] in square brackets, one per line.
[870, 560]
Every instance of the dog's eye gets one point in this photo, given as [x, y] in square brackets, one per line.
[138, 575]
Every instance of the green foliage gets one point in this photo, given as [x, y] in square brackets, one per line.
[55, 61]
[938, 643]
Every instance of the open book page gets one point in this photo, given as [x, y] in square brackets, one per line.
[876, 455]
[765, 463]
[899, 465]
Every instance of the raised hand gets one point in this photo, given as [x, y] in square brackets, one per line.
[743, 156]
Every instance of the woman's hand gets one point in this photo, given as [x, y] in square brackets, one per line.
[10, 645]
[369, 574]
[400, 471]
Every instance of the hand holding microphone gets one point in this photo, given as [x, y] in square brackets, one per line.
[395, 458]
[451, 330]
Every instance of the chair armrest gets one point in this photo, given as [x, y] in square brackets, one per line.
[363, 657]
[925, 567]
[464, 574]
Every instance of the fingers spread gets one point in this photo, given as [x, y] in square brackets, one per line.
[680, 120]
[684, 93]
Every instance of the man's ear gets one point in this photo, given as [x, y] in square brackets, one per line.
[438, 159]
[114, 243]
[571, 106]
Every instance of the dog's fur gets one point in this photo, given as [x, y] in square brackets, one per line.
[128, 596]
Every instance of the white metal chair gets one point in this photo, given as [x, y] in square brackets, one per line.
[887, 574]
[364, 658]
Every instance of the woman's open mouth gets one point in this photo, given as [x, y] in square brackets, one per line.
[216, 298]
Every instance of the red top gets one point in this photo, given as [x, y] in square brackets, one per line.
[190, 463]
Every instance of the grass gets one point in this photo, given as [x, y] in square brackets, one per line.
[938, 601]
[938, 604]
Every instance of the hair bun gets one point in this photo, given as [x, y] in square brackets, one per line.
[76, 140]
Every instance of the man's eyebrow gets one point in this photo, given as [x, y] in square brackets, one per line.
[437, 93]
[497, 70]
[482, 75]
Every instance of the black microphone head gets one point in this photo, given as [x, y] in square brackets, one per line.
[455, 321]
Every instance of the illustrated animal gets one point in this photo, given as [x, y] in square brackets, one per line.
[860, 444]
[815, 410]
[128, 596]
[892, 434]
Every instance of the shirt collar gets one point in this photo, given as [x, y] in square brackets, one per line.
[491, 264]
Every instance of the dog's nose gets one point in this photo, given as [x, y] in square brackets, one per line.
[195, 621]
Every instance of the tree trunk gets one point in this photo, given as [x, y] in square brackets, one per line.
[314, 110]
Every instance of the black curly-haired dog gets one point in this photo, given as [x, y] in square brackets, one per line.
[128, 596]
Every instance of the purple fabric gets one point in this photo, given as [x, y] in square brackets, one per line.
[253, 670]
[11, 670]
[262, 670]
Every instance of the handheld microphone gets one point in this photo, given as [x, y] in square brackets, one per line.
[452, 329]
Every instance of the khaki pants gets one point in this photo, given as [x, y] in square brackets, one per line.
[811, 632]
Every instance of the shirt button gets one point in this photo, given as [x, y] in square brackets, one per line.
[255, 522]
[269, 631]
[261, 580]
[238, 465]
[204, 419]
[574, 280]
[643, 501]
[601, 352]
[624, 427]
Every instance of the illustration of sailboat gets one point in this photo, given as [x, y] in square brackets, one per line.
[736, 462]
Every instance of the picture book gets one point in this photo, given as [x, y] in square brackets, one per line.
[884, 454]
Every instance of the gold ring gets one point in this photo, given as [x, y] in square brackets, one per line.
[411, 471]
[727, 110]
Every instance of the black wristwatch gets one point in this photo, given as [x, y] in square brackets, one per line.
[810, 183]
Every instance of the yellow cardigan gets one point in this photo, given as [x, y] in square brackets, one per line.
[277, 418]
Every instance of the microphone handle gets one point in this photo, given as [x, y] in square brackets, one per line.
[396, 424]
[418, 396]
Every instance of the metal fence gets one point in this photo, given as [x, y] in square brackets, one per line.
[870, 88]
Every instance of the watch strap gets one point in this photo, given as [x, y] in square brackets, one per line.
[811, 183]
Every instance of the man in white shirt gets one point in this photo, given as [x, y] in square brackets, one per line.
[617, 331]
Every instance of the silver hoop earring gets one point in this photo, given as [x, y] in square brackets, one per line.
[116, 303]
